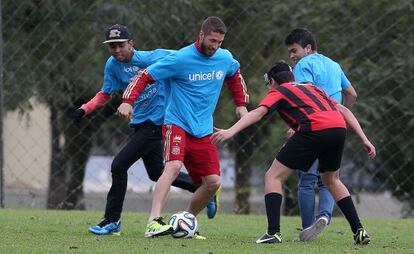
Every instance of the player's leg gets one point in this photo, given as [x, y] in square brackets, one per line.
[311, 227]
[154, 163]
[174, 152]
[330, 161]
[274, 179]
[306, 195]
[204, 194]
[202, 161]
[128, 155]
[156, 226]
[286, 160]
[326, 201]
[345, 203]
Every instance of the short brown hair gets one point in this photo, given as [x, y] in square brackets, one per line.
[213, 24]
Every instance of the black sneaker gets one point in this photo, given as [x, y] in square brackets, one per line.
[361, 237]
[266, 238]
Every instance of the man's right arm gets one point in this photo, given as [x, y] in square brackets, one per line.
[162, 69]
[133, 91]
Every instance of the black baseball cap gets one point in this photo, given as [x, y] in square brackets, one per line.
[117, 33]
[278, 68]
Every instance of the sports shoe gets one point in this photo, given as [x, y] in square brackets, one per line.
[361, 237]
[197, 236]
[214, 205]
[266, 238]
[310, 233]
[106, 227]
[158, 228]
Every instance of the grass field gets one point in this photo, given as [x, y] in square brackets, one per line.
[39, 231]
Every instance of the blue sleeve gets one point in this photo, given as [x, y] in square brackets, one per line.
[167, 67]
[146, 58]
[109, 78]
[234, 66]
[303, 73]
[344, 81]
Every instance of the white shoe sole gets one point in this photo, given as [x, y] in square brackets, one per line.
[310, 233]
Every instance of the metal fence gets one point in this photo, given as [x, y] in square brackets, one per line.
[53, 60]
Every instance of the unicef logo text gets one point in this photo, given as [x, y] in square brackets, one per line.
[202, 76]
[131, 69]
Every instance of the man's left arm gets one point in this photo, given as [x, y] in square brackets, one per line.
[349, 94]
[349, 97]
[239, 93]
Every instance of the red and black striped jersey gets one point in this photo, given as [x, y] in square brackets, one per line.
[304, 107]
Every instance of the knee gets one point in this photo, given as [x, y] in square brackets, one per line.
[172, 168]
[213, 183]
[117, 168]
[329, 181]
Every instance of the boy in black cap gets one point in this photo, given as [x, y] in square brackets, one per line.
[320, 130]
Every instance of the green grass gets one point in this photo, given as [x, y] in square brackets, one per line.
[38, 231]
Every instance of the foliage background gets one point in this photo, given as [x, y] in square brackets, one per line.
[52, 51]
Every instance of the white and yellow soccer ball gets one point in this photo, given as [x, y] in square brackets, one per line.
[184, 225]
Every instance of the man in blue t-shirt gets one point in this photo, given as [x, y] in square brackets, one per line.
[147, 119]
[197, 73]
[319, 70]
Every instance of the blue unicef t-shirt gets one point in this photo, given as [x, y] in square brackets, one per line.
[150, 105]
[196, 82]
[322, 72]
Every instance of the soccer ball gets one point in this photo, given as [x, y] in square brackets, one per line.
[184, 225]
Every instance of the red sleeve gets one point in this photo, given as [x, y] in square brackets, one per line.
[96, 102]
[238, 89]
[136, 86]
[271, 100]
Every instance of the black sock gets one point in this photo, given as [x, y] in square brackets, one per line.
[273, 201]
[348, 209]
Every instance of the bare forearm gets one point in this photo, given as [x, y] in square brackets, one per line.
[250, 118]
[353, 122]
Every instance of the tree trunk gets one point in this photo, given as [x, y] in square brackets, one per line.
[243, 171]
[57, 189]
[79, 142]
[77, 151]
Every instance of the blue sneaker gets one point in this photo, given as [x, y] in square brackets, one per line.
[214, 205]
[106, 228]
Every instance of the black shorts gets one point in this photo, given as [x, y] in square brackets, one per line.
[303, 148]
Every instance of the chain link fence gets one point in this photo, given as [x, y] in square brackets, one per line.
[53, 61]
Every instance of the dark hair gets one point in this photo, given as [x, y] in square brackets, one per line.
[213, 24]
[281, 72]
[301, 36]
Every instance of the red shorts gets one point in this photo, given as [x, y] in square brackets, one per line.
[199, 155]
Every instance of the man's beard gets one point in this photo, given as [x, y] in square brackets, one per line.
[206, 51]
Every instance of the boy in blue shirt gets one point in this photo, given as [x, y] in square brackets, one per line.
[319, 70]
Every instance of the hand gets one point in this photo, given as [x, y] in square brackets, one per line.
[241, 111]
[125, 110]
[290, 133]
[77, 115]
[220, 135]
[370, 149]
